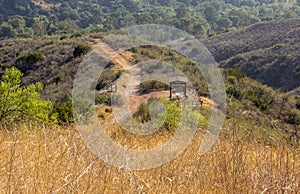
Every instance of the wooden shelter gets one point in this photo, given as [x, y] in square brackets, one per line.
[177, 84]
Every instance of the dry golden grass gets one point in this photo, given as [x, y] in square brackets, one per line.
[57, 161]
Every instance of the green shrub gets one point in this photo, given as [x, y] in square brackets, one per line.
[30, 58]
[107, 78]
[232, 80]
[173, 116]
[81, 50]
[25, 62]
[233, 91]
[236, 60]
[298, 104]
[21, 104]
[64, 113]
[143, 113]
[104, 98]
[117, 100]
[250, 94]
[152, 85]
[234, 72]
[292, 116]
[263, 101]
[118, 74]
[101, 84]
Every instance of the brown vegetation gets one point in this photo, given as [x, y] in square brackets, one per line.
[57, 161]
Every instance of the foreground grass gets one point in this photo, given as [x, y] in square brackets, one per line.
[57, 161]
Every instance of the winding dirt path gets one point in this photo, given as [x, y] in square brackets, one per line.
[128, 83]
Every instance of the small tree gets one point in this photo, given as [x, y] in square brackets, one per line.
[21, 104]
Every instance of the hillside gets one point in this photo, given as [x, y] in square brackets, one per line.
[267, 52]
[155, 111]
[52, 61]
[29, 18]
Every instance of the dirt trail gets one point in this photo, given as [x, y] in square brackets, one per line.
[119, 58]
[128, 83]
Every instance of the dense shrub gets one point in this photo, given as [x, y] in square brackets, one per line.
[152, 85]
[234, 72]
[233, 91]
[28, 61]
[232, 80]
[30, 58]
[64, 113]
[81, 50]
[292, 116]
[143, 114]
[172, 113]
[21, 104]
[298, 104]
[173, 116]
[263, 101]
[107, 78]
[103, 98]
[101, 84]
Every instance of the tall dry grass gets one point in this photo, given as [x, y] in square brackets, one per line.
[57, 161]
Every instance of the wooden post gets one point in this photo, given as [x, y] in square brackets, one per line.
[185, 90]
[170, 91]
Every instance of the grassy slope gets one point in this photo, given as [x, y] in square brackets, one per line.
[267, 52]
[49, 161]
[58, 67]
[250, 155]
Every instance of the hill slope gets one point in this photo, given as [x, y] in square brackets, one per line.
[30, 18]
[267, 52]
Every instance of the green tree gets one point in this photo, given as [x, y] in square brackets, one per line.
[18, 23]
[289, 14]
[7, 31]
[144, 18]
[183, 12]
[224, 23]
[38, 27]
[210, 14]
[21, 104]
